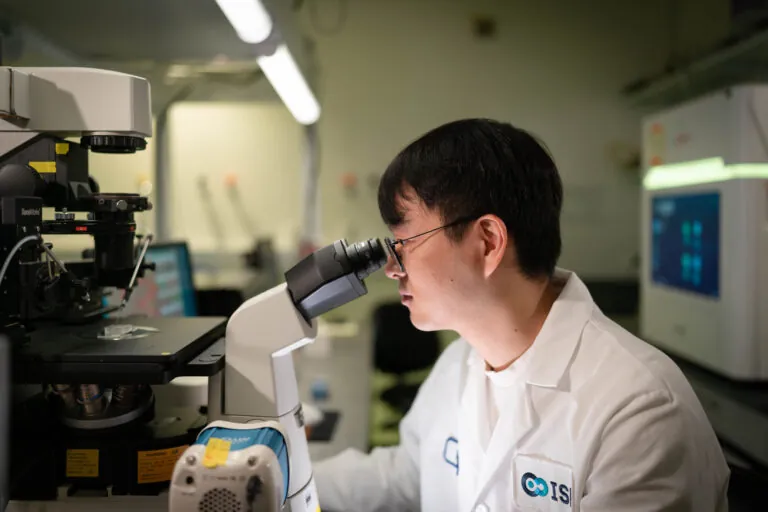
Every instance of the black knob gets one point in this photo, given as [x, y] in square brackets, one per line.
[113, 143]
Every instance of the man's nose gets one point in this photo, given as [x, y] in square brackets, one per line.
[393, 270]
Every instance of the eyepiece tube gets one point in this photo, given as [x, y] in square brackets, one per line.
[366, 257]
[334, 275]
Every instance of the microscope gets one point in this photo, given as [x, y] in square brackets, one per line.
[84, 420]
[253, 456]
[83, 416]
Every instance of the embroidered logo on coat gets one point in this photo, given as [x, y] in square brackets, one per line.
[451, 452]
[536, 487]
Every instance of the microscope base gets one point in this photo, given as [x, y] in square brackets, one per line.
[50, 460]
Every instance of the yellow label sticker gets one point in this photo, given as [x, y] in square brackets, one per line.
[83, 463]
[44, 167]
[62, 148]
[216, 453]
[157, 465]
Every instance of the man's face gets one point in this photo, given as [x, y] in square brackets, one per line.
[440, 275]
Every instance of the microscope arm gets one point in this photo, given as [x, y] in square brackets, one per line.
[260, 380]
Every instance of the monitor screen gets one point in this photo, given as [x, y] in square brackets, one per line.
[169, 289]
[685, 242]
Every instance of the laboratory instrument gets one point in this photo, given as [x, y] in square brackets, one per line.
[704, 232]
[254, 454]
[84, 421]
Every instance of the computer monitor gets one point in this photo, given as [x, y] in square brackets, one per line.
[685, 244]
[168, 290]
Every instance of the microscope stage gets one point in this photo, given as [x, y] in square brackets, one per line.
[128, 350]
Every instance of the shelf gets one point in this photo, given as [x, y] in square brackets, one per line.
[735, 61]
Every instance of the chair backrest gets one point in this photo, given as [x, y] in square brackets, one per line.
[219, 301]
[399, 347]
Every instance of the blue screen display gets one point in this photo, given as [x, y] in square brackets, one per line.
[173, 279]
[168, 290]
[685, 242]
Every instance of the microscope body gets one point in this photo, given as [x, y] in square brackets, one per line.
[97, 406]
[78, 400]
[258, 392]
[41, 110]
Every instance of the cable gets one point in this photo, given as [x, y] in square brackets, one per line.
[56, 260]
[129, 289]
[16, 247]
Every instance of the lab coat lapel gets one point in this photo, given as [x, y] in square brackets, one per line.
[516, 420]
[552, 353]
[470, 421]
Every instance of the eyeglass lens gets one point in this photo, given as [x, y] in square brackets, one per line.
[390, 244]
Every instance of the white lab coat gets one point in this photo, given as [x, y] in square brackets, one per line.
[602, 422]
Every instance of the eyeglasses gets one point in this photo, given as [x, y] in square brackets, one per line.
[390, 243]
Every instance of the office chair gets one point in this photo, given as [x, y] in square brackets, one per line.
[400, 348]
[218, 301]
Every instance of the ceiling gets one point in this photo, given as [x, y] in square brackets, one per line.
[163, 30]
[147, 38]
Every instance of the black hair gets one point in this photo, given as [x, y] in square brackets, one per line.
[472, 167]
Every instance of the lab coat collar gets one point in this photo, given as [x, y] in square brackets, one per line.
[553, 349]
[546, 362]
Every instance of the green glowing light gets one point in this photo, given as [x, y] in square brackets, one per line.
[696, 172]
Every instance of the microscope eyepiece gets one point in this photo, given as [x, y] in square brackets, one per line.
[366, 257]
[334, 275]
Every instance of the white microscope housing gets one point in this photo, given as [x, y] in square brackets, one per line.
[258, 425]
[98, 105]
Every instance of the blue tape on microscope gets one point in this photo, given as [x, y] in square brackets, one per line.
[240, 439]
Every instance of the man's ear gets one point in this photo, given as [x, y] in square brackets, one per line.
[494, 236]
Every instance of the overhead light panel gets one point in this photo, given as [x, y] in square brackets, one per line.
[249, 19]
[253, 25]
[284, 75]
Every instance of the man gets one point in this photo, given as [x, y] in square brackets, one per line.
[543, 403]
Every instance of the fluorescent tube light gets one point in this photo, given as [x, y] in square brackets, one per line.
[696, 172]
[249, 19]
[284, 75]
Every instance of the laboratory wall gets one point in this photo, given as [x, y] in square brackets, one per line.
[387, 71]
[398, 68]
[235, 175]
